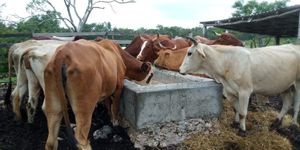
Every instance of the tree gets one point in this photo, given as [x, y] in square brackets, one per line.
[1, 6]
[253, 7]
[73, 16]
[40, 23]
[94, 27]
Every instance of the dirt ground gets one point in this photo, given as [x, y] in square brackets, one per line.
[22, 136]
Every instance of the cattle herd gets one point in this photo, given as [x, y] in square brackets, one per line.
[82, 73]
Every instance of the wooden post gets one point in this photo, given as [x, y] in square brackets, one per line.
[277, 39]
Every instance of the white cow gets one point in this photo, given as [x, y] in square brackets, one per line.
[14, 55]
[242, 71]
[29, 59]
[35, 61]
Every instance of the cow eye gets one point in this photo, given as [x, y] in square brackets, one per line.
[189, 53]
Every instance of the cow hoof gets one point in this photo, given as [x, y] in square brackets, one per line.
[115, 123]
[17, 118]
[235, 125]
[275, 124]
[242, 133]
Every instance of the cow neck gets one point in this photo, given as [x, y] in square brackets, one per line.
[217, 60]
[154, 55]
[133, 66]
[134, 47]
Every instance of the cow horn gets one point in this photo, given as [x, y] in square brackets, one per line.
[161, 45]
[217, 34]
[193, 40]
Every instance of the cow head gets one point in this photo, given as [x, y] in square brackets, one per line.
[143, 74]
[147, 53]
[136, 45]
[99, 38]
[194, 58]
[228, 39]
[164, 44]
[162, 56]
[151, 47]
[202, 40]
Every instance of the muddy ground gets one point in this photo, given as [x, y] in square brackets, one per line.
[22, 136]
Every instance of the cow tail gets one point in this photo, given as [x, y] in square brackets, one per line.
[7, 100]
[60, 80]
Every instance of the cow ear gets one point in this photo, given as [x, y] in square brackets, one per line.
[167, 54]
[146, 67]
[142, 38]
[156, 38]
[201, 52]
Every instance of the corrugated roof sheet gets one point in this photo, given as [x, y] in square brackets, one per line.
[281, 22]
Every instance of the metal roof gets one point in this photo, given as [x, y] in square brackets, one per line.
[281, 22]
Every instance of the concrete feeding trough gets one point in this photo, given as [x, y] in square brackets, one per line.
[170, 97]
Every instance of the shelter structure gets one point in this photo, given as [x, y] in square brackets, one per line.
[284, 22]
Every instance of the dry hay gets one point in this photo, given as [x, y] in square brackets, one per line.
[258, 134]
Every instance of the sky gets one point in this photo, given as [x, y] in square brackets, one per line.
[143, 13]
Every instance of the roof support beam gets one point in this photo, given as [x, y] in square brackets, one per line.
[298, 37]
[284, 22]
[204, 31]
[277, 40]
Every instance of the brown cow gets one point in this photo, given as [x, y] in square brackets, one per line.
[203, 40]
[227, 39]
[149, 52]
[86, 72]
[222, 39]
[171, 60]
[139, 43]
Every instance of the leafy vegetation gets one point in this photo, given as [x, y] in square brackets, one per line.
[253, 7]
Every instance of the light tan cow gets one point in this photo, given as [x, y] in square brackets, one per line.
[14, 56]
[34, 62]
[38, 51]
[268, 71]
[170, 59]
[86, 72]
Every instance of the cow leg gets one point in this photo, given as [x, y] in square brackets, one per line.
[107, 103]
[116, 103]
[34, 91]
[234, 100]
[18, 98]
[19, 93]
[53, 122]
[54, 115]
[287, 102]
[243, 106]
[236, 122]
[52, 110]
[296, 102]
[83, 113]
[16, 104]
